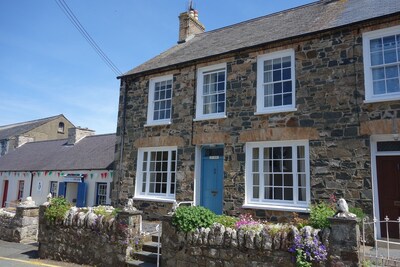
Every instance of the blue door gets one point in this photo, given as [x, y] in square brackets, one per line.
[212, 175]
[81, 198]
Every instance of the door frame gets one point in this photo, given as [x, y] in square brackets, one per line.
[197, 172]
[374, 139]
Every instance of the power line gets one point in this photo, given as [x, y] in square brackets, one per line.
[74, 20]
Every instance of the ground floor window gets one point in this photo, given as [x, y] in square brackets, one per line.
[277, 173]
[101, 194]
[53, 188]
[21, 185]
[156, 172]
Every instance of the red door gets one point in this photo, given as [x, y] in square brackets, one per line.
[388, 170]
[5, 191]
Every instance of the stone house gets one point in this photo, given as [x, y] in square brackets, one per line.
[15, 135]
[268, 115]
[79, 168]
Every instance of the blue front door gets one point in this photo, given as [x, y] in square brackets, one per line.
[212, 175]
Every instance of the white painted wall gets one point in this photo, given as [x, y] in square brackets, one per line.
[42, 179]
[13, 181]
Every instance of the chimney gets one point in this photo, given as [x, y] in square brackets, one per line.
[189, 25]
[76, 134]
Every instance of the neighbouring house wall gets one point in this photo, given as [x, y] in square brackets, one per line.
[40, 192]
[21, 227]
[46, 131]
[13, 183]
[88, 239]
[331, 114]
[41, 184]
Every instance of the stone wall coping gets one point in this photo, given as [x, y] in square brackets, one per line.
[28, 208]
[344, 220]
[127, 213]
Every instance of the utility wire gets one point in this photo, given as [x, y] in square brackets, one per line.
[74, 20]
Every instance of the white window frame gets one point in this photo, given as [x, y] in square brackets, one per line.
[367, 37]
[199, 92]
[168, 196]
[105, 195]
[150, 109]
[54, 194]
[284, 205]
[260, 82]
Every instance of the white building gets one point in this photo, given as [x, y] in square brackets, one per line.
[79, 168]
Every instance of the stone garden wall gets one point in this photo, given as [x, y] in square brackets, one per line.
[21, 226]
[85, 238]
[220, 246]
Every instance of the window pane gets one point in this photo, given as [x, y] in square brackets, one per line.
[376, 58]
[390, 56]
[286, 62]
[288, 180]
[376, 45]
[278, 88]
[256, 192]
[267, 77]
[393, 85]
[277, 63]
[278, 100]
[288, 194]
[301, 152]
[278, 193]
[268, 65]
[255, 153]
[268, 179]
[255, 166]
[277, 75]
[286, 74]
[302, 180]
[278, 180]
[391, 72]
[302, 194]
[287, 87]
[379, 88]
[287, 99]
[378, 74]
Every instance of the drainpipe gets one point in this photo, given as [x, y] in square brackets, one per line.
[30, 190]
[122, 132]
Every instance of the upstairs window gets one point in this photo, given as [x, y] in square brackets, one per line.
[382, 64]
[60, 127]
[276, 82]
[211, 92]
[53, 188]
[160, 101]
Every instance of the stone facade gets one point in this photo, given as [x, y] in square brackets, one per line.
[21, 226]
[86, 238]
[330, 113]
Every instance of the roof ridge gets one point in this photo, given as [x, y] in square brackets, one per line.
[31, 121]
[97, 135]
[317, 2]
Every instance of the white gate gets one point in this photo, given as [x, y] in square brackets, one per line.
[386, 250]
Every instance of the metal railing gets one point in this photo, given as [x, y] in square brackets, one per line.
[386, 250]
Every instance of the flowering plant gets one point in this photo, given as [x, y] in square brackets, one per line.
[246, 222]
[307, 249]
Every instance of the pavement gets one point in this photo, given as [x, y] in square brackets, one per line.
[24, 255]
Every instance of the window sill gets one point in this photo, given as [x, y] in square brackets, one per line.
[155, 199]
[277, 207]
[383, 99]
[266, 112]
[150, 124]
[210, 118]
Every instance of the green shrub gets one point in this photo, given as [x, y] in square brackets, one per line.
[227, 221]
[188, 219]
[57, 209]
[319, 214]
[357, 211]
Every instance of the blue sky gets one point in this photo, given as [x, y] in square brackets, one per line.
[47, 68]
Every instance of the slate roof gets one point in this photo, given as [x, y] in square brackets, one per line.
[8, 131]
[91, 153]
[306, 19]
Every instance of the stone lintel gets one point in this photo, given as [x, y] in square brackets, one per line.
[159, 141]
[210, 138]
[380, 127]
[278, 134]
